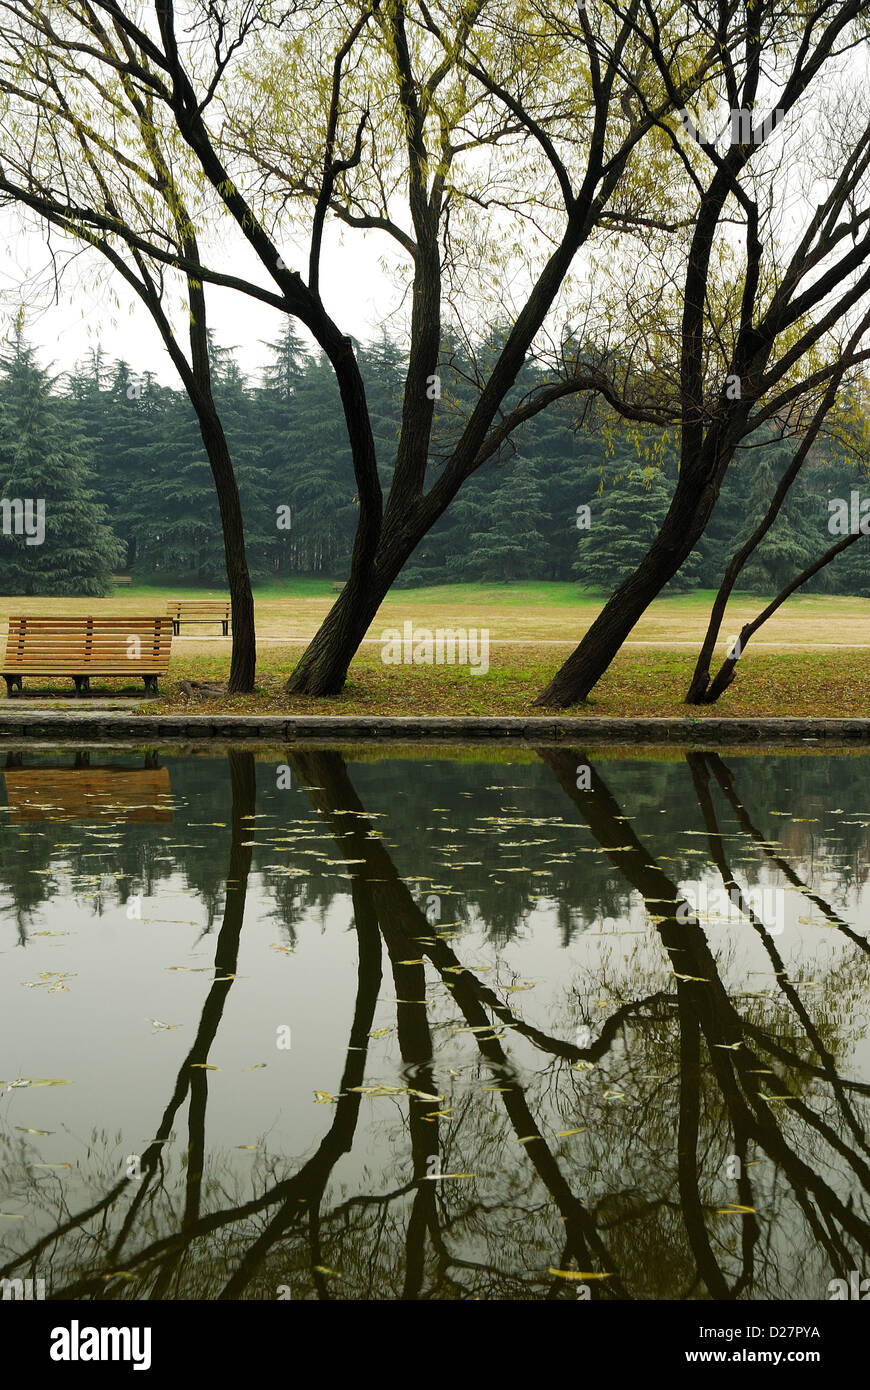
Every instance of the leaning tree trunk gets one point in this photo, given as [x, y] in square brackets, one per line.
[725, 675]
[196, 376]
[322, 670]
[323, 667]
[687, 516]
[699, 692]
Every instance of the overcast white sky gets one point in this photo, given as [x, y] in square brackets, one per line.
[355, 291]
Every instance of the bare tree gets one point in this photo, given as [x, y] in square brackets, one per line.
[488, 147]
[62, 165]
[747, 359]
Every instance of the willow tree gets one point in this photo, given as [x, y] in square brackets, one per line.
[774, 285]
[84, 153]
[487, 147]
[847, 426]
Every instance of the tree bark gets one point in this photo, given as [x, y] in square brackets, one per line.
[323, 667]
[725, 675]
[697, 692]
[690, 509]
[243, 661]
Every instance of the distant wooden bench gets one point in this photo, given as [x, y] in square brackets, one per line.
[91, 795]
[338, 586]
[84, 647]
[200, 611]
[122, 579]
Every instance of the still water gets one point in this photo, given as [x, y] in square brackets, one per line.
[446, 1024]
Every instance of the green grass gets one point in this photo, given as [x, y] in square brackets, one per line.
[638, 684]
[813, 658]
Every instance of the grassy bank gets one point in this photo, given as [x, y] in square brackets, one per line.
[822, 684]
[813, 658]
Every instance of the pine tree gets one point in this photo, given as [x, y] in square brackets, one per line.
[259, 495]
[510, 546]
[44, 461]
[321, 485]
[276, 407]
[181, 538]
[624, 520]
[793, 541]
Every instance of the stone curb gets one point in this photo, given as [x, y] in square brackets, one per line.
[93, 727]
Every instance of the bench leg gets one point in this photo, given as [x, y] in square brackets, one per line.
[83, 685]
[176, 628]
[226, 628]
[83, 758]
[151, 684]
[11, 682]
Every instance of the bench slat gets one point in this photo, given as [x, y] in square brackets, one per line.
[87, 646]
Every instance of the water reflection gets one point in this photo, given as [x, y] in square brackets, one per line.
[674, 1108]
[84, 793]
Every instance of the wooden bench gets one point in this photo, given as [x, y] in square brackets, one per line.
[122, 579]
[338, 586]
[91, 795]
[85, 647]
[200, 611]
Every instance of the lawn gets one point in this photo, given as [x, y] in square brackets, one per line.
[538, 613]
[813, 658]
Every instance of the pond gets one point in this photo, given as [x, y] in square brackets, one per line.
[435, 1023]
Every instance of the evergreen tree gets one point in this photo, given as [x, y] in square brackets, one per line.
[510, 546]
[259, 495]
[276, 408]
[44, 465]
[793, 541]
[624, 520]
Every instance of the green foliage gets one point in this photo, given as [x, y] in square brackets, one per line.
[116, 448]
[44, 461]
[624, 522]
